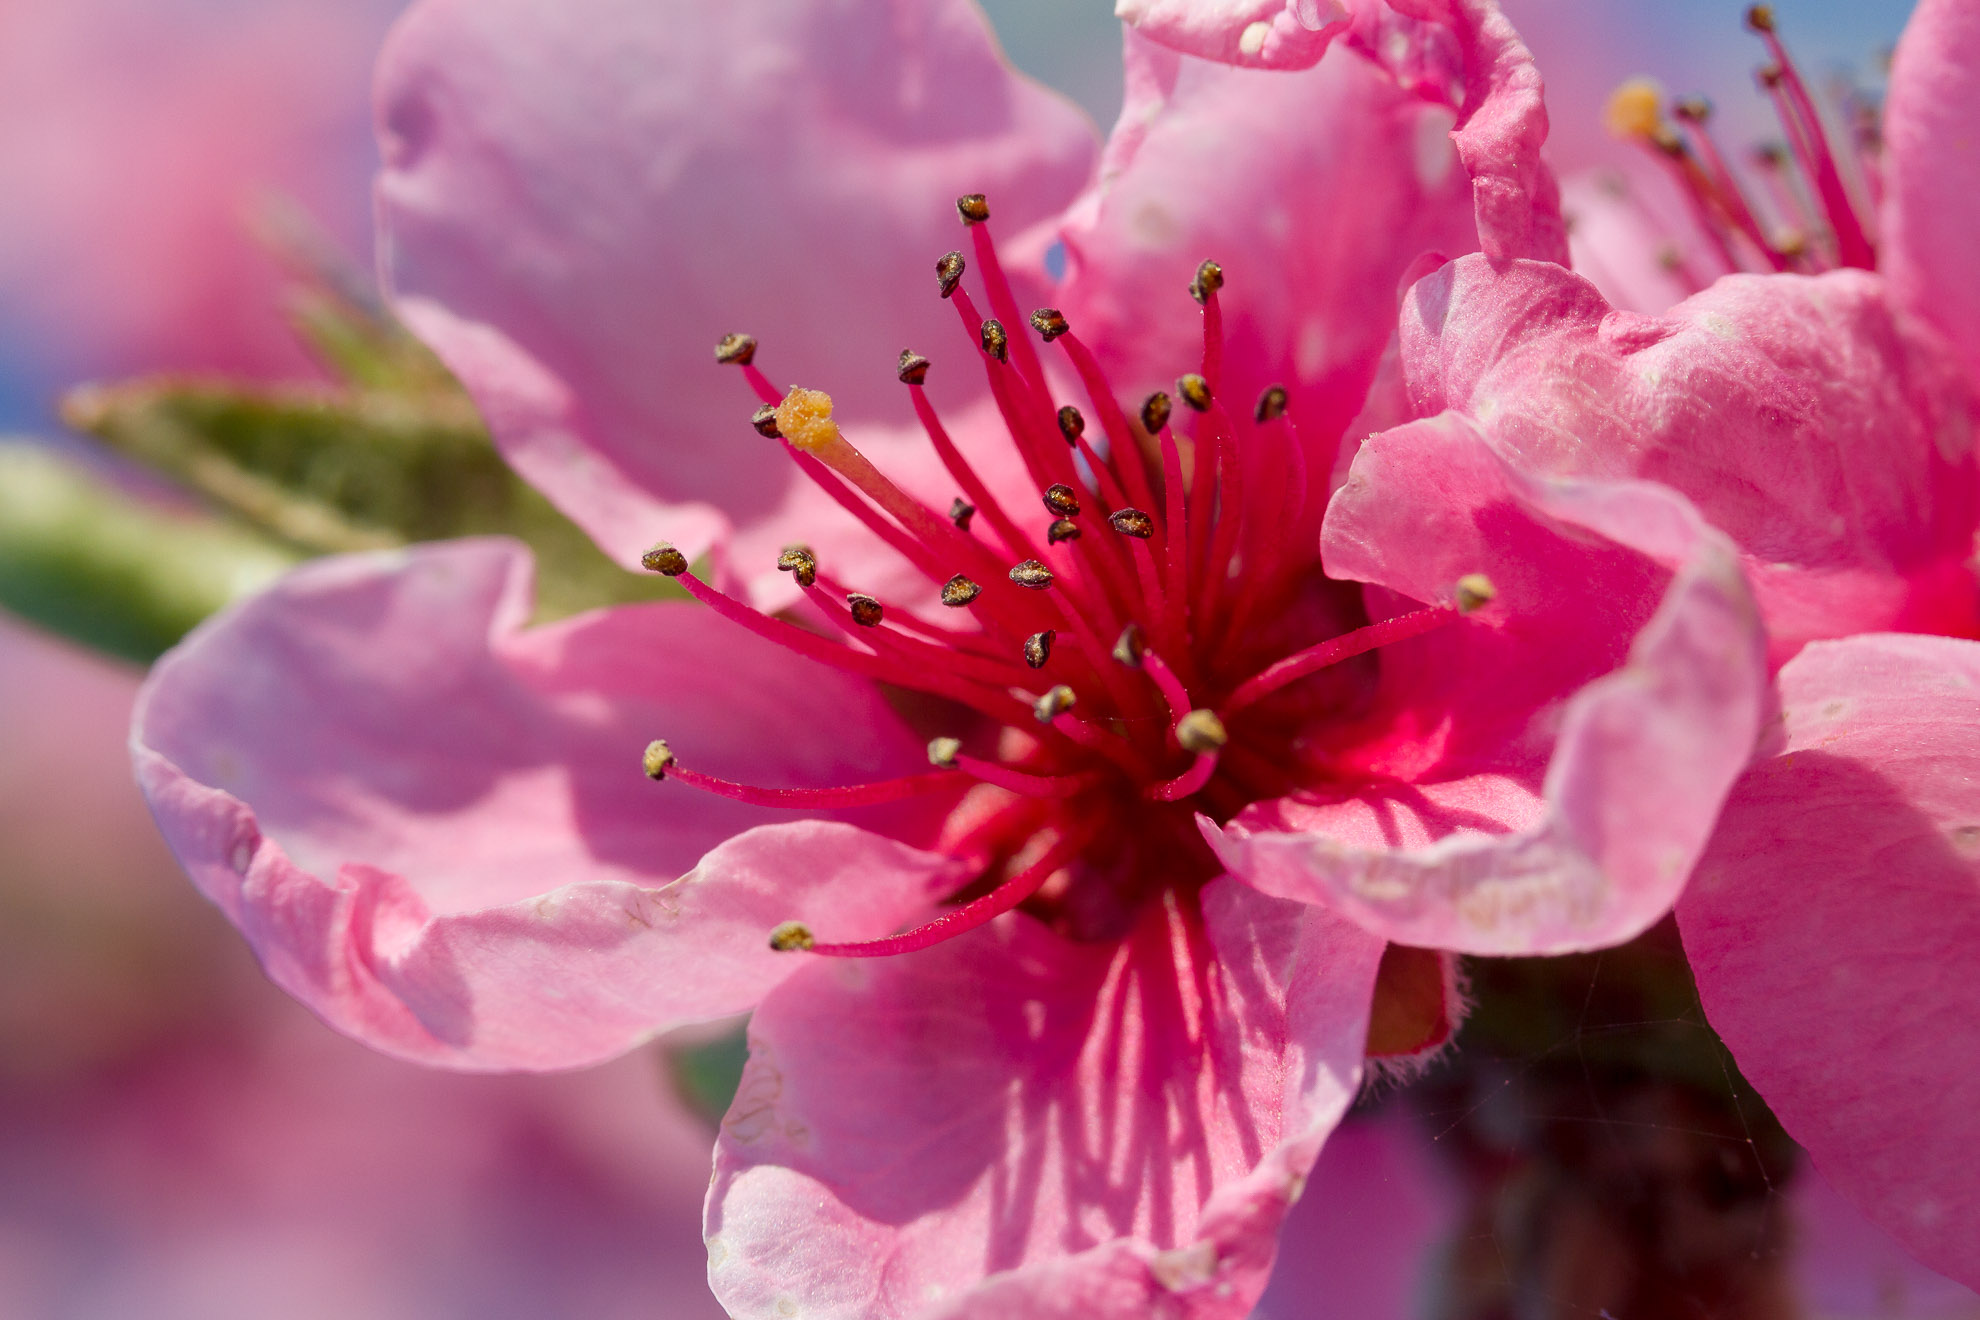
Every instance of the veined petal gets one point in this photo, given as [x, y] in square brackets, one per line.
[1012, 1123]
[581, 196]
[433, 828]
[1932, 172]
[1541, 777]
[1253, 169]
[1800, 414]
[1834, 928]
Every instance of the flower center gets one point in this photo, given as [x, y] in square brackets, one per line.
[1809, 220]
[1149, 647]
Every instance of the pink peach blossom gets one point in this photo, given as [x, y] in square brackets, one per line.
[1823, 418]
[1091, 1074]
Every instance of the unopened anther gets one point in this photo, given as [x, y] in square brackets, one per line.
[1271, 404]
[1071, 425]
[996, 342]
[1049, 322]
[960, 512]
[1195, 391]
[665, 560]
[1130, 647]
[1032, 574]
[800, 563]
[942, 752]
[1474, 591]
[1062, 500]
[1769, 75]
[974, 208]
[866, 611]
[1062, 529]
[959, 591]
[1132, 522]
[949, 272]
[1054, 703]
[1155, 412]
[1760, 18]
[764, 419]
[912, 368]
[656, 758]
[1038, 648]
[1201, 732]
[792, 936]
[1691, 109]
[736, 349]
[1209, 279]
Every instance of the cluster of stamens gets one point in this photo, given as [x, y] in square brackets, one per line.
[1108, 658]
[1809, 220]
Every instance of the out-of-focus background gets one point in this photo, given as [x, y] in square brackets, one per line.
[179, 1139]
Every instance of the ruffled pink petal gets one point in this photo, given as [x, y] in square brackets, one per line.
[1540, 777]
[1461, 54]
[580, 198]
[1834, 929]
[433, 828]
[1932, 172]
[1015, 1124]
[1250, 168]
[1801, 415]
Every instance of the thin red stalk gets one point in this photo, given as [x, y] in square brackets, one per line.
[1213, 342]
[1004, 303]
[906, 546]
[1853, 247]
[894, 645]
[1016, 541]
[1124, 452]
[1729, 194]
[759, 382]
[970, 915]
[1171, 687]
[1024, 783]
[1186, 784]
[849, 795]
[1335, 650]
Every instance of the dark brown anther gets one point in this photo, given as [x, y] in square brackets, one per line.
[974, 208]
[737, 349]
[1769, 76]
[1201, 732]
[1071, 425]
[1665, 139]
[1038, 648]
[665, 560]
[1132, 522]
[1271, 404]
[1692, 109]
[942, 752]
[792, 936]
[1062, 529]
[1032, 574]
[1054, 704]
[800, 563]
[1155, 412]
[1760, 18]
[960, 512]
[1130, 647]
[1770, 156]
[995, 341]
[949, 272]
[656, 758]
[912, 368]
[1195, 391]
[764, 419]
[866, 611]
[1049, 322]
[1062, 500]
[959, 591]
[1209, 279]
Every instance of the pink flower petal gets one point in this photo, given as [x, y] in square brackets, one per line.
[1015, 1124]
[1250, 168]
[1834, 929]
[1800, 414]
[1462, 54]
[1540, 778]
[580, 198]
[433, 828]
[1932, 172]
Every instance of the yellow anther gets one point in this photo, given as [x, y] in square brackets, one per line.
[1635, 109]
[656, 759]
[1474, 592]
[805, 419]
[791, 935]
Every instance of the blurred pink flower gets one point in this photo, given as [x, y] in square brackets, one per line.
[424, 816]
[1824, 421]
[178, 1144]
[139, 139]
